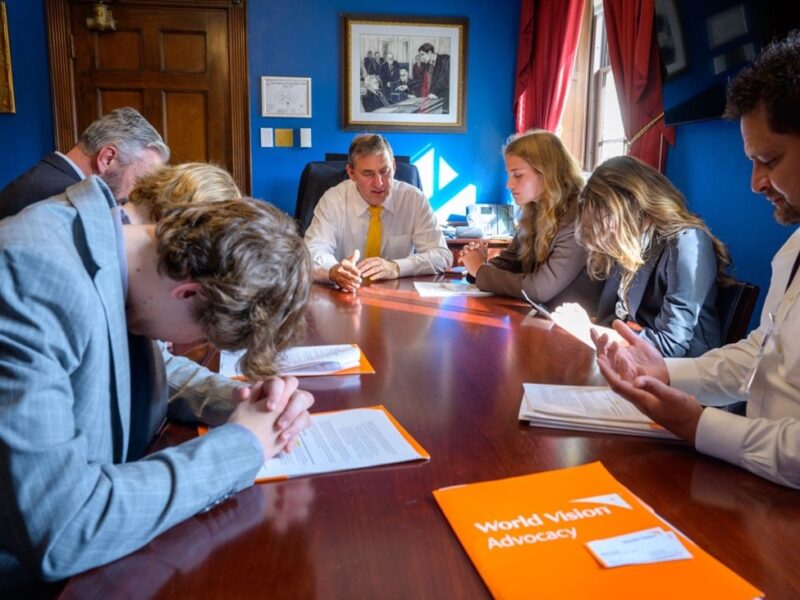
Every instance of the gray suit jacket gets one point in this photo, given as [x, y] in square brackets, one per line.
[49, 177]
[672, 296]
[69, 501]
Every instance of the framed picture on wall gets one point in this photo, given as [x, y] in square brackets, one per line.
[6, 81]
[404, 73]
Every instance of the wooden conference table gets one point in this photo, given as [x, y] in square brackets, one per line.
[451, 371]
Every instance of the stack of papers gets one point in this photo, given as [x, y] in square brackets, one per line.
[585, 409]
[303, 361]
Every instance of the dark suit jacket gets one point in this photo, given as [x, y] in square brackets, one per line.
[440, 79]
[389, 74]
[673, 296]
[49, 177]
[372, 100]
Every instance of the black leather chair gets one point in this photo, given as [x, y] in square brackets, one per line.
[318, 176]
[735, 304]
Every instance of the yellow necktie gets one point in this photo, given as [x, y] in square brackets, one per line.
[373, 245]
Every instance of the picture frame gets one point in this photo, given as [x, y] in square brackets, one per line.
[429, 96]
[6, 80]
[669, 35]
[286, 97]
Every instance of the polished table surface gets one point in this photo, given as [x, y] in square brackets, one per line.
[451, 371]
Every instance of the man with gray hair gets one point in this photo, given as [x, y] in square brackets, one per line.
[118, 147]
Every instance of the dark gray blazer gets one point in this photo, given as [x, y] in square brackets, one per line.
[672, 296]
[49, 177]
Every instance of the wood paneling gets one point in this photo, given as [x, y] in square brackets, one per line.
[182, 63]
[186, 122]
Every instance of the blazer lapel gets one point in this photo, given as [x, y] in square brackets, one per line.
[642, 277]
[93, 201]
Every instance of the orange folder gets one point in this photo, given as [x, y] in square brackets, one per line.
[527, 538]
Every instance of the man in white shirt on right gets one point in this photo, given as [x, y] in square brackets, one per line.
[764, 368]
[388, 222]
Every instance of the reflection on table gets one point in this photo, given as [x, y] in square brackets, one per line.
[450, 370]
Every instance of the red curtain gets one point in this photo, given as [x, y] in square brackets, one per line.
[548, 38]
[636, 66]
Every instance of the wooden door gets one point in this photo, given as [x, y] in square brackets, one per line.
[181, 63]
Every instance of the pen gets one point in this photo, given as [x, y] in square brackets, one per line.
[539, 308]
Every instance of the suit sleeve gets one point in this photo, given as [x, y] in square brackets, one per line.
[66, 506]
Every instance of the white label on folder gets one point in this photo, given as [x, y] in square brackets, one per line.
[641, 547]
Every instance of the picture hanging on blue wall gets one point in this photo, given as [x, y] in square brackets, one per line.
[404, 73]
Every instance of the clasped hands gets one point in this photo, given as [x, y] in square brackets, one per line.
[275, 410]
[350, 273]
[474, 255]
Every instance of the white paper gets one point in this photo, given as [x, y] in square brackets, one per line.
[585, 408]
[639, 548]
[428, 289]
[301, 360]
[342, 440]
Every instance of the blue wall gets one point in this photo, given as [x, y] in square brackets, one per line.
[707, 163]
[709, 166]
[282, 44]
[25, 136]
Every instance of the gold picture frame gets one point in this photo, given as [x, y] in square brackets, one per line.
[377, 96]
[6, 80]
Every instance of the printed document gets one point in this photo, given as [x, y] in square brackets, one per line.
[305, 361]
[430, 289]
[585, 408]
[344, 440]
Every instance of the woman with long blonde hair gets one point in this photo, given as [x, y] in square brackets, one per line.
[661, 262]
[544, 258]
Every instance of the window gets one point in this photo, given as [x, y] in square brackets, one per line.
[592, 124]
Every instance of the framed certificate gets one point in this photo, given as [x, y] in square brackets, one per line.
[286, 97]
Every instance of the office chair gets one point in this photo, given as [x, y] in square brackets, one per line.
[735, 304]
[318, 176]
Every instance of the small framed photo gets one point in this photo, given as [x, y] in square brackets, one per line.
[286, 97]
[669, 36]
[404, 73]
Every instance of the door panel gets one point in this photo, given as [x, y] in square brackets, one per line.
[174, 64]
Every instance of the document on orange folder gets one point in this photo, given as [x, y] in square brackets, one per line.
[308, 361]
[343, 440]
[527, 537]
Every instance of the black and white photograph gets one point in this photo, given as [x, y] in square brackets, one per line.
[403, 73]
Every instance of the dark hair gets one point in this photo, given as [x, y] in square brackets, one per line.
[426, 47]
[771, 81]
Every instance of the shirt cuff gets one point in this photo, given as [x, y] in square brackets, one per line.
[406, 266]
[251, 437]
[721, 434]
[684, 375]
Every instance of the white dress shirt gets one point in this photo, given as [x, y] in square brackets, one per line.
[767, 440]
[409, 232]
